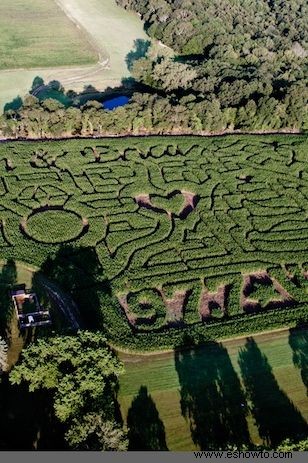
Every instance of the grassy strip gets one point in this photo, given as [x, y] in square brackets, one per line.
[189, 396]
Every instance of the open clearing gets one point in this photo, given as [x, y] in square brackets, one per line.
[36, 34]
[110, 29]
[224, 393]
[62, 308]
[198, 238]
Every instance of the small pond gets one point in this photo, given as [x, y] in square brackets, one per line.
[116, 102]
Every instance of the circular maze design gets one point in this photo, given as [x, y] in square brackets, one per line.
[185, 230]
[53, 225]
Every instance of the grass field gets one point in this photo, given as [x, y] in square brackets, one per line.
[179, 239]
[28, 38]
[11, 274]
[110, 29]
[237, 392]
[16, 273]
[113, 29]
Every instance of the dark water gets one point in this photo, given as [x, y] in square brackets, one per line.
[116, 102]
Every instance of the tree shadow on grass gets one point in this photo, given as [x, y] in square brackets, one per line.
[212, 399]
[298, 340]
[78, 272]
[275, 415]
[27, 421]
[55, 90]
[63, 94]
[13, 105]
[60, 322]
[8, 278]
[146, 430]
[140, 50]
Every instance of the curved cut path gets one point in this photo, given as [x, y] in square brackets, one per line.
[111, 31]
[63, 302]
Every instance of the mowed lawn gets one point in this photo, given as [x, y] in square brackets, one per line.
[241, 391]
[113, 30]
[55, 49]
[37, 33]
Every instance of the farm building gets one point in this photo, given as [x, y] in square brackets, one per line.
[28, 308]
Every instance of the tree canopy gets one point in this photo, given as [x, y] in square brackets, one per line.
[213, 66]
[82, 372]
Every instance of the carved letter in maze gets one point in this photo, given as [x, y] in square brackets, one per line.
[262, 278]
[169, 213]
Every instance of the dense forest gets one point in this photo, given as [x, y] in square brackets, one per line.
[222, 66]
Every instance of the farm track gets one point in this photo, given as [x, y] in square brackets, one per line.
[200, 135]
[68, 10]
[60, 299]
[103, 24]
[63, 302]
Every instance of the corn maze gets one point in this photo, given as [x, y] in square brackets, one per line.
[191, 233]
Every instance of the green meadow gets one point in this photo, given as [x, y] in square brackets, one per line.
[38, 34]
[243, 391]
[77, 42]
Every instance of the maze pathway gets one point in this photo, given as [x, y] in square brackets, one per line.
[173, 221]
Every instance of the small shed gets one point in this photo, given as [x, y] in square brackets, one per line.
[28, 308]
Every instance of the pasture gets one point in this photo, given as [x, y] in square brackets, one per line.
[167, 241]
[234, 393]
[102, 34]
[37, 34]
[113, 30]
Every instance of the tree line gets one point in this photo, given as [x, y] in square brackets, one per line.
[221, 66]
[241, 63]
[76, 378]
[151, 114]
